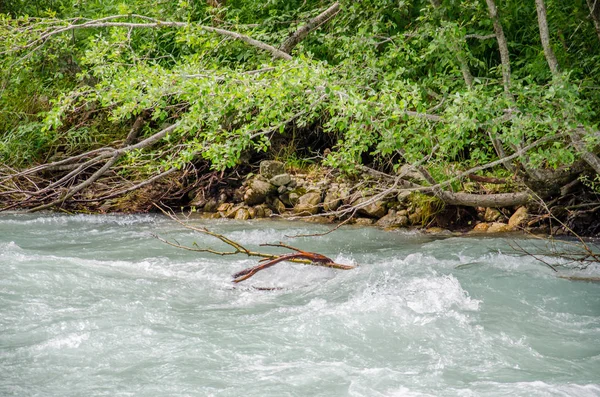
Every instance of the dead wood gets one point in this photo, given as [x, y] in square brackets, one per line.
[300, 256]
[299, 35]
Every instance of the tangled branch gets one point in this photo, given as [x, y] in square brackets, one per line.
[268, 260]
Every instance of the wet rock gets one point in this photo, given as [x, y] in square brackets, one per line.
[231, 211]
[259, 211]
[491, 215]
[364, 221]
[438, 231]
[481, 227]
[375, 209]
[308, 204]
[281, 180]
[499, 227]
[519, 218]
[242, 214]
[393, 219]
[251, 212]
[270, 168]
[224, 207]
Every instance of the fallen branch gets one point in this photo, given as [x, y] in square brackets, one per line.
[303, 257]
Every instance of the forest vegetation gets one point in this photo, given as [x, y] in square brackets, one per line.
[495, 104]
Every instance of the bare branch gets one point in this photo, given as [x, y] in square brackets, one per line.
[299, 35]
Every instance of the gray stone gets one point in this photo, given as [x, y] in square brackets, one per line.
[281, 189]
[293, 197]
[277, 206]
[375, 209]
[270, 168]
[393, 219]
[211, 205]
[410, 173]
[258, 192]
[332, 201]
[364, 221]
[308, 204]
[281, 180]
[403, 196]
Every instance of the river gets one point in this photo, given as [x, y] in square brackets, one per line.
[95, 306]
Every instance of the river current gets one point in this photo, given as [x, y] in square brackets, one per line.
[96, 306]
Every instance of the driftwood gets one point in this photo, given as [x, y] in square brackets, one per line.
[268, 260]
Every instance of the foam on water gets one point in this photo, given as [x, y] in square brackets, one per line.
[95, 305]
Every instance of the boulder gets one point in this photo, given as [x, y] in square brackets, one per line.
[277, 206]
[519, 218]
[211, 205]
[410, 173]
[308, 204]
[375, 209]
[364, 221]
[281, 180]
[332, 201]
[491, 215]
[270, 168]
[393, 219]
[258, 192]
[499, 227]
[481, 227]
[242, 214]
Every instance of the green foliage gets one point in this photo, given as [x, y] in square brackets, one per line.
[366, 78]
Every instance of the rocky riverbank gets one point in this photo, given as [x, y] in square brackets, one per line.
[318, 197]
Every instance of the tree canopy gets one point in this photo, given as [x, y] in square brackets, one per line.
[513, 87]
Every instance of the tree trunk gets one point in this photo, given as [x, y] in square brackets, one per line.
[502, 44]
[545, 37]
[594, 6]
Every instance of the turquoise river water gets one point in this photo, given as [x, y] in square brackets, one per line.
[95, 306]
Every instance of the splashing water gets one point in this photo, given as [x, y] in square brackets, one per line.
[93, 305]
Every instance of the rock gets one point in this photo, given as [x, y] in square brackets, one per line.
[410, 173]
[293, 197]
[258, 192]
[231, 212]
[268, 212]
[393, 219]
[402, 213]
[224, 207]
[332, 201]
[308, 204]
[270, 168]
[375, 209]
[440, 231]
[481, 227]
[211, 205]
[364, 221]
[281, 189]
[403, 196]
[251, 212]
[519, 218]
[281, 180]
[259, 211]
[499, 227]
[491, 215]
[415, 218]
[277, 206]
[242, 214]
